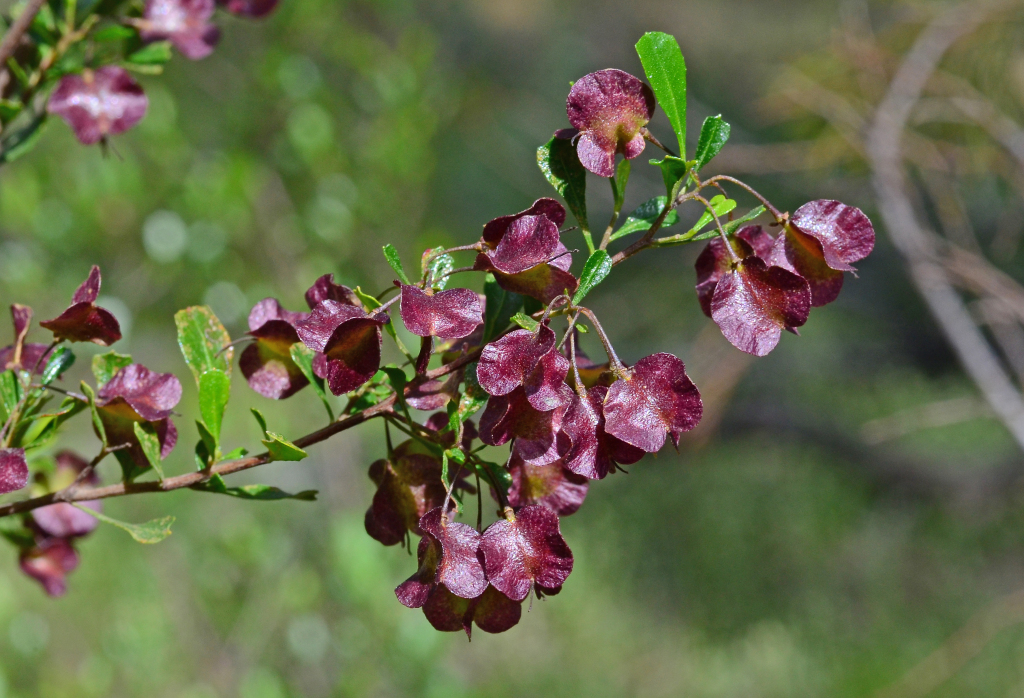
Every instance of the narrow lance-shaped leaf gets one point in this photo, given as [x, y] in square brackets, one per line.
[148, 533]
[597, 268]
[391, 254]
[713, 136]
[500, 307]
[59, 362]
[666, 70]
[643, 217]
[561, 166]
[202, 338]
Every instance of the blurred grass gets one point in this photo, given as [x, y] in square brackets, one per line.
[770, 561]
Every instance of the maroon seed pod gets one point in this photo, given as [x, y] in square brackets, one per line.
[137, 395]
[492, 611]
[99, 103]
[62, 520]
[609, 108]
[525, 359]
[552, 486]
[267, 363]
[408, 486]
[448, 558]
[249, 8]
[84, 321]
[821, 241]
[13, 470]
[450, 314]
[324, 289]
[185, 23]
[526, 549]
[349, 341]
[537, 434]
[49, 562]
[753, 303]
[655, 399]
[22, 355]
[593, 453]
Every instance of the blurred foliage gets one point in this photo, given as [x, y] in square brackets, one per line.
[784, 556]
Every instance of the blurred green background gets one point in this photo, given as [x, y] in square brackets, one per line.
[804, 543]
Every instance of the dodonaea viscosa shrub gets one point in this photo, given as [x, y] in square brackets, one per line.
[503, 368]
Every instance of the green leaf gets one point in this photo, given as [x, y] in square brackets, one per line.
[240, 452]
[260, 419]
[391, 254]
[396, 377]
[97, 424]
[201, 337]
[501, 305]
[303, 358]
[473, 397]
[214, 391]
[150, 532]
[208, 453]
[561, 166]
[437, 268]
[10, 393]
[721, 206]
[23, 140]
[673, 173]
[494, 473]
[280, 449]
[60, 360]
[753, 213]
[156, 53]
[666, 71]
[526, 322]
[14, 530]
[150, 442]
[114, 32]
[619, 182]
[713, 136]
[598, 266]
[9, 109]
[643, 217]
[264, 493]
[106, 366]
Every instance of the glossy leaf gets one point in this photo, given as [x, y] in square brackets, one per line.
[561, 166]
[673, 172]
[156, 53]
[525, 321]
[596, 270]
[713, 136]
[391, 254]
[644, 216]
[500, 306]
[436, 268]
[60, 360]
[666, 71]
[619, 182]
[201, 337]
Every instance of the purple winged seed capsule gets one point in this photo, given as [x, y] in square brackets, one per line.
[84, 321]
[185, 23]
[656, 399]
[526, 549]
[609, 108]
[98, 103]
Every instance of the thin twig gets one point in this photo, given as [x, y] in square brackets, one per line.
[12, 38]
